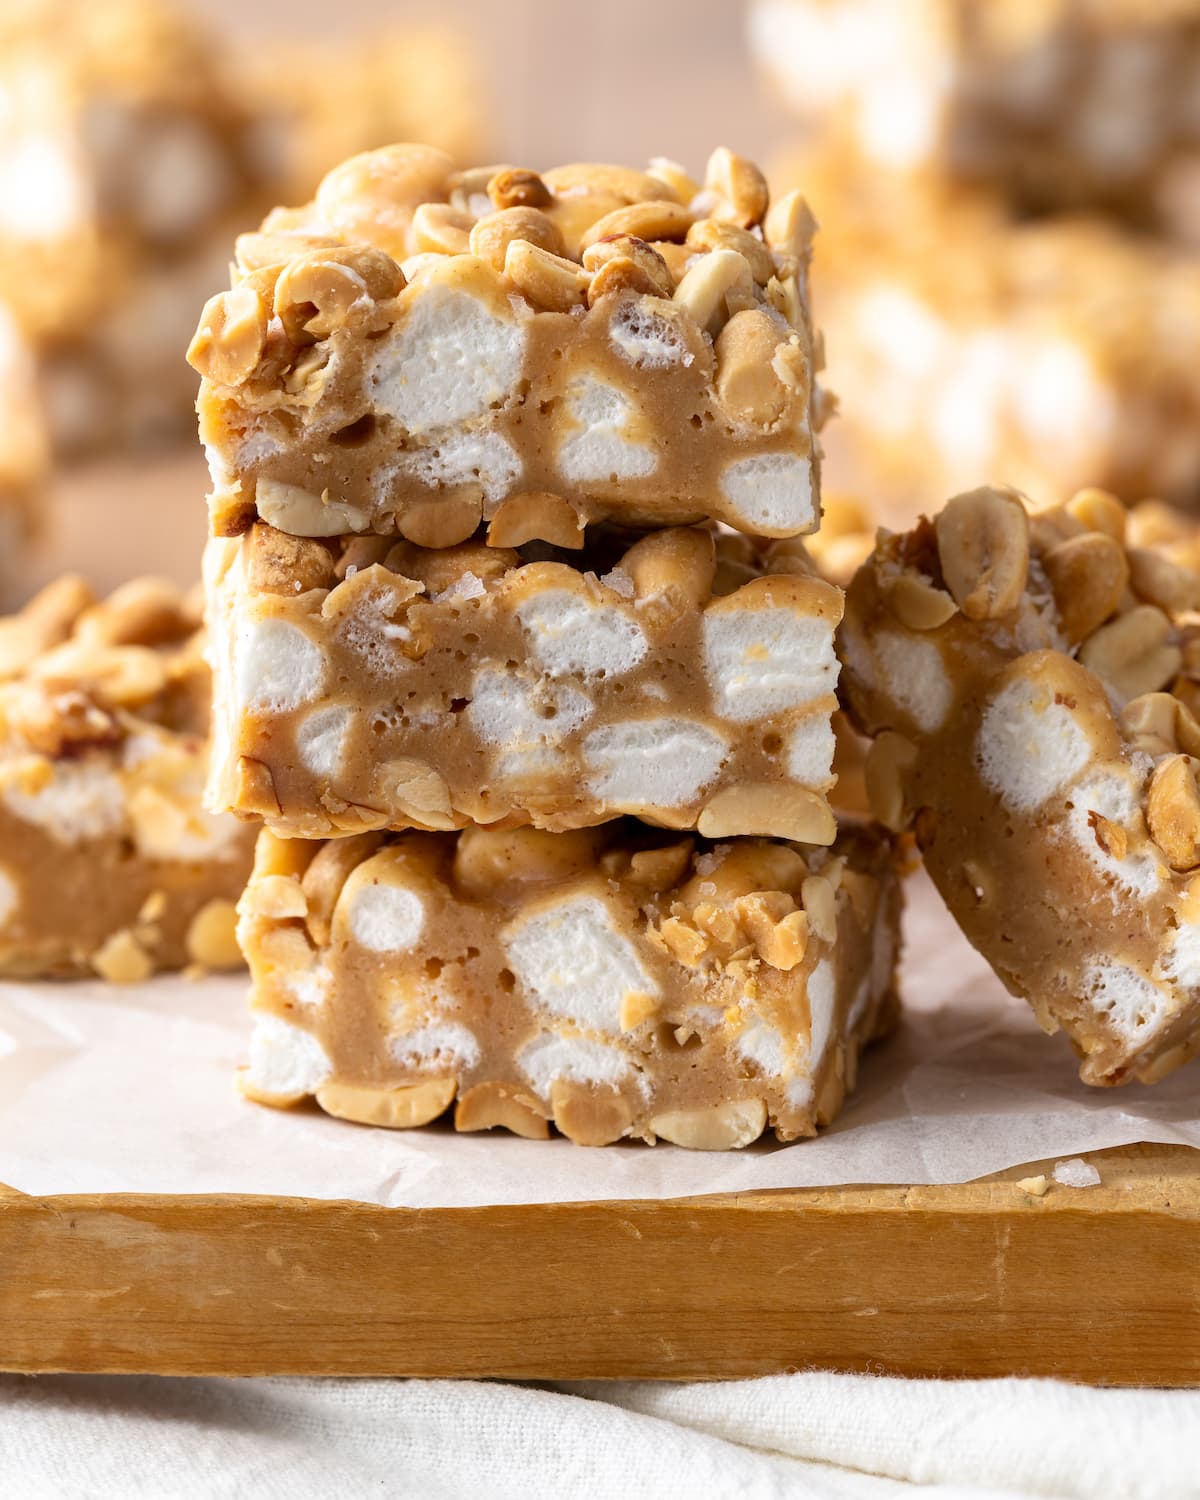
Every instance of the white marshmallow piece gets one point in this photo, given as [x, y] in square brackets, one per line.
[765, 661]
[1029, 746]
[277, 667]
[321, 741]
[652, 763]
[572, 1059]
[572, 962]
[915, 675]
[507, 710]
[569, 635]
[1130, 1003]
[810, 749]
[387, 918]
[599, 452]
[450, 360]
[10, 898]
[82, 800]
[286, 1062]
[770, 493]
[447, 1044]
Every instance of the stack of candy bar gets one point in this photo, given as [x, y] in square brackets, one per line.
[520, 661]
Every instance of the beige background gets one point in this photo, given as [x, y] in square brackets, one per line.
[610, 80]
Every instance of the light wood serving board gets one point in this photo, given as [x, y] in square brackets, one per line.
[1099, 1284]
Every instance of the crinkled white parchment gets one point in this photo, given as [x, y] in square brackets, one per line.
[131, 1089]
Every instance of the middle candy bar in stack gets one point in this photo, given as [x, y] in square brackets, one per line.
[472, 438]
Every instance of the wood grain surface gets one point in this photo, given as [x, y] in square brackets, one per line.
[1099, 1284]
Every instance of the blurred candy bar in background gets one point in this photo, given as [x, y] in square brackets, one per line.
[1056, 104]
[23, 455]
[979, 324]
[126, 159]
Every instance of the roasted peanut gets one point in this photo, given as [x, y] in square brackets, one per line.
[716, 287]
[983, 544]
[748, 386]
[491, 235]
[740, 188]
[1173, 811]
[549, 281]
[721, 1127]
[232, 334]
[518, 187]
[625, 263]
[535, 516]
[655, 220]
[1089, 576]
[715, 234]
[680, 561]
[1134, 654]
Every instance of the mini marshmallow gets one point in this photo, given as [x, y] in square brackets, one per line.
[598, 451]
[506, 709]
[771, 493]
[574, 1059]
[445, 1044]
[285, 1062]
[82, 800]
[567, 634]
[448, 361]
[278, 667]
[652, 763]
[764, 661]
[321, 740]
[1029, 746]
[387, 918]
[916, 678]
[573, 962]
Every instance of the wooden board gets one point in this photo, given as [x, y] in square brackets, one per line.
[1098, 1284]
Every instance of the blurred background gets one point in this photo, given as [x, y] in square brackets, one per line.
[1009, 194]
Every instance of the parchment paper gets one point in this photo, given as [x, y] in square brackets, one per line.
[105, 1090]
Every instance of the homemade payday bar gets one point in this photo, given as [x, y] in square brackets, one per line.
[126, 162]
[1058, 104]
[108, 865]
[618, 981]
[364, 683]
[420, 348]
[1031, 683]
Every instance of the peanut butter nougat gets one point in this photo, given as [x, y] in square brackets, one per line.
[618, 981]
[362, 683]
[421, 348]
[1056, 104]
[108, 864]
[1031, 683]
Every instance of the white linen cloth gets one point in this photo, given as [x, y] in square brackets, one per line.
[811, 1436]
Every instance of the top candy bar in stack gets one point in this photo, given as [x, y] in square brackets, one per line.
[419, 350]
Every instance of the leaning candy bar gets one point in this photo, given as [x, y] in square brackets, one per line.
[616, 981]
[366, 683]
[1031, 683]
[108, 864]
[419, 349]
